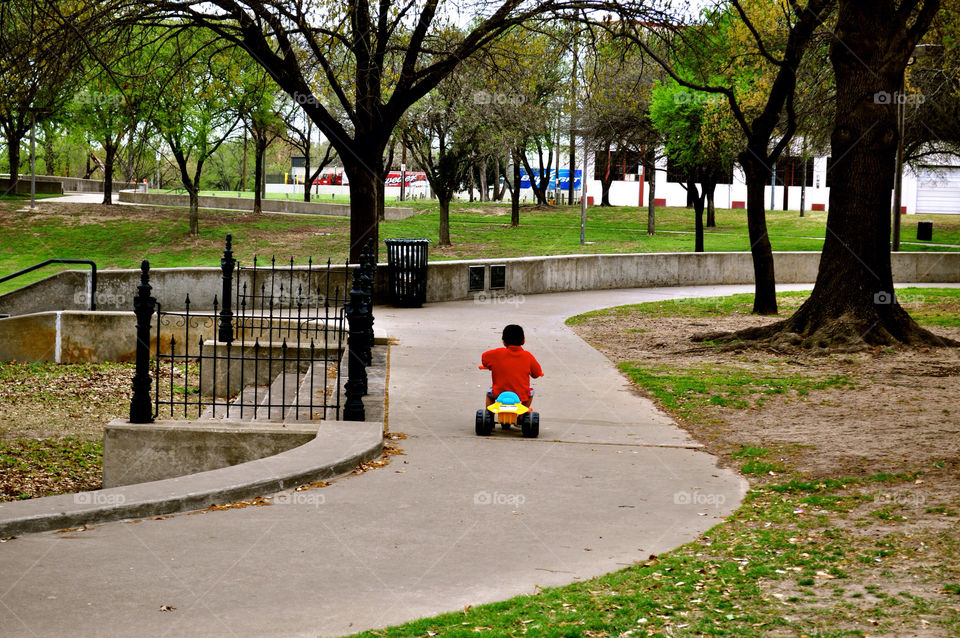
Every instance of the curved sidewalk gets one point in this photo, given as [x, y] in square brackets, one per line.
[459, 520]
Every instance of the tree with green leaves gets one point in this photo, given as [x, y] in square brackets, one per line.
[853, 303]
[375, 60]
[762, 102]
[40, 60]
[614, 114]
[260, 112]
[702, 152]
[196, 105]
[298, 132]
[440, 134]
[112, 104]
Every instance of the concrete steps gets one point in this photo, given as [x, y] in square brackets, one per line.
[286, 400]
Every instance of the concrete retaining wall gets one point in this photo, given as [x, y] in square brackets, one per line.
[76, 184]
[80, 185]
[69, 337]
[77, 336]
[449, 280]
[246, 203]
[138, 453]
[41, 186]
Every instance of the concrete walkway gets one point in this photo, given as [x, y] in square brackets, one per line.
[459, 520]
[81, 198]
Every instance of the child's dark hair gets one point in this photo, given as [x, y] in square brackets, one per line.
[513, 335]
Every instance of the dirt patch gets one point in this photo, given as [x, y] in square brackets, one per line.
[891, 427]
[52, 401]
[486, 211]
[901, 412]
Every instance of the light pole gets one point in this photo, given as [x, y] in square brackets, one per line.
[898, 177]
[33, 160]
[583, 195]
[919, 51]
[33, 110]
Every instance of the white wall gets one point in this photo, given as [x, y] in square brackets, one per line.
[626, 193]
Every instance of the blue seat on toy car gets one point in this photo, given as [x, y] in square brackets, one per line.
[508, 398]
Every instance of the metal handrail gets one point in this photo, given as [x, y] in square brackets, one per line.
[93, 274]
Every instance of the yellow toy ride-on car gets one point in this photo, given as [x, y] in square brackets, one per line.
[508, 410]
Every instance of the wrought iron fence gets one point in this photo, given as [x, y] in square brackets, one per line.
[270, 347]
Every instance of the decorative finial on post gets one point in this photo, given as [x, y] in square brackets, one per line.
[227, 265]
[143, 306]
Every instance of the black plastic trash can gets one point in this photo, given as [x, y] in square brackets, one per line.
[924, 231]
[407, 268]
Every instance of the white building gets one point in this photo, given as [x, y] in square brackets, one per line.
[931, 188]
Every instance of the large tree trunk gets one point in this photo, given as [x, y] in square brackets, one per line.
[13, 158]
[515, 192]
[259, 154]
[650, 169]
[605, 184]
[606, 179]
[538, 185]
[482, 169]
[364, 202]
[697, 199]
[444, 235]
[764, 277]
[194, 210]
[853, 301]
[110, 153]
[711, 207]
[853, 298]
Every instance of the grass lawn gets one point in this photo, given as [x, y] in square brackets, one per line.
[120, 236]
[16, 197]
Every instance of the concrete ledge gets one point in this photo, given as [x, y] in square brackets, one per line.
[337, 449]
[245, 203]
[42, 186]
[78, 184]
[142, 452]
[449, 280]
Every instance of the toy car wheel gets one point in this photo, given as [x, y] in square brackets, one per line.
[489, 420]
[531, 426]
[484, 425]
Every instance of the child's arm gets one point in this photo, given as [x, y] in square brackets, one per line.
[485, 361]
[535, 370]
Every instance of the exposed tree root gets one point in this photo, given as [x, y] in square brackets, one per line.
[848, 332]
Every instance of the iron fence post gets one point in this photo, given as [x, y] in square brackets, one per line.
[227, 264]
[368, 271]
[356, 385]
[143, 305]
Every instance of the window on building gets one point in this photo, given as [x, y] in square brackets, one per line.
[677, 176]
[622, 164]
[791, 171]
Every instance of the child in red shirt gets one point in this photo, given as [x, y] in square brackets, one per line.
[511, 367]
